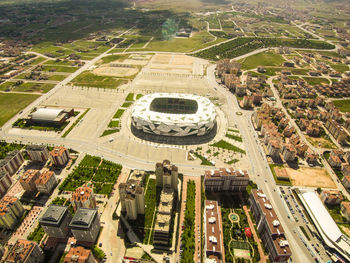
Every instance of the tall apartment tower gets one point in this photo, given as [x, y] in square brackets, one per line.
[83, 197]
[166, 175]
[38, 153]
[132, 195]
[5, 182]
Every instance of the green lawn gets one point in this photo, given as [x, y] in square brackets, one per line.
[227, 146]
[315, 81]
[342, 105]
[118, 114]
[91, 80]
[340, 67]
[57, 77]
[60, 69]
[262, 59]
[111, 58]
[10, 104]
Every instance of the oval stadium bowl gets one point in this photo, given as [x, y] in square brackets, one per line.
[173, 114]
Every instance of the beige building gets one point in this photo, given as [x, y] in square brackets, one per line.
[346, 182]
[288, 152]
[164, 219]
[132, 195]
[166, 174]
[37, 153]
[5, 182]
[345, 210]
[85, 225]
[59, 156]
[213, 232]
[28, 180]
[12, 162]
[46, 182]
[331, 197]
[55, 221]
[79, 255]
[83, 197]
[24, 251]
[226, 180]
[11, 210]
[269, 227]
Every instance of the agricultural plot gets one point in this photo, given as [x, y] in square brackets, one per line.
[88, 79]
[262, 59]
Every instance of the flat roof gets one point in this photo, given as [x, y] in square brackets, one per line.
[213, 228]
[225, 172]
[83, 218]
[53, 215]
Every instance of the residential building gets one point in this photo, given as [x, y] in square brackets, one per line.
[334, 161]
[166, 174]
[345, 210]
[346, 181]
[59, 156]
[164, 218]
[28, 180]
[55, 221]
[37, 153]
[85, 225]
[5, 182]
[79, 255]
[274, 148]
[345, 168]
[269, 227]
[213, 245]
[288, 152]
[11, 162]
[11, 210]
[24, 251]
[226, 180]
[132, 195]
[83, 197]
[46, 182]
[331, 197]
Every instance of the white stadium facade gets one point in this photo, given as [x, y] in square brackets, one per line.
[174, 114]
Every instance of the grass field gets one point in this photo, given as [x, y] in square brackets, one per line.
[88, 79]
[342, 105]
[10, 104]
[340, 67]
[315, 81]
[262, 59]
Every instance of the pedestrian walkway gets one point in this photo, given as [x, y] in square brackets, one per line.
[256, 239]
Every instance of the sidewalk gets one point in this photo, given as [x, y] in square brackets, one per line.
[256, 239]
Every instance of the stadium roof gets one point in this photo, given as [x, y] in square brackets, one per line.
[46, 114]
[205, 112]
[324, 219]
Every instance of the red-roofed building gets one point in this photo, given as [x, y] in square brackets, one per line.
[46, 182]
[59, 156]
[28, 180]
[24, 251]
[345, 210]
[79, 255]
[83, 197]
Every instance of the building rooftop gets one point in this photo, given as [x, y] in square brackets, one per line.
[36, 147]
[228, 172]
[46, 114]
[346, 205]
[20, 251]
[8, 157]
[28, 176]
[166, 201]
[44, 177]
[82, 194]
[58, 151]
[5, 203]
[54, 215]
[83, 218]
[213, 227]
[77, 255]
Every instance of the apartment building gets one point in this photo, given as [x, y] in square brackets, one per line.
[331, 197]
[59, 156]
[164, 217]
[79, 255]
[83, 197]
[11, 210]
[345, 210]
[85, 225]
[11, 162]
[38, 153]
[28, 180]
[269, 227]
[46, 182]
[166, 174]
[288, 152]
[5, 182]
[55, 221]
[213, 240]
[226, 180]
[24, 251]
[132, 195]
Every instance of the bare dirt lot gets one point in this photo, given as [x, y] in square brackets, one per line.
[115, 71]
[310, 177]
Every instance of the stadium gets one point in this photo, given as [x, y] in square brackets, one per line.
[174, 114]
